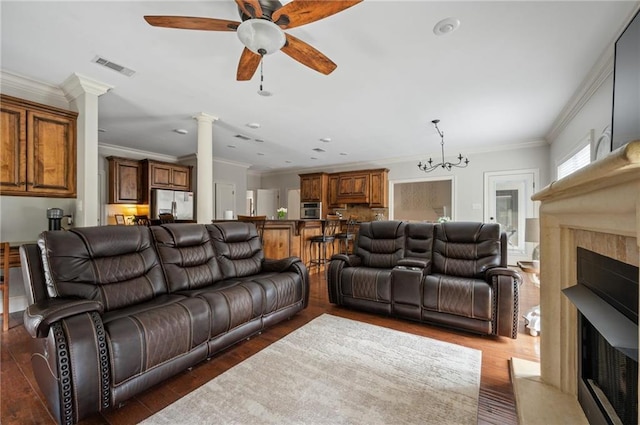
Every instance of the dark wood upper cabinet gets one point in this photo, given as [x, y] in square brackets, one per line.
[38, 145]
[125, 181]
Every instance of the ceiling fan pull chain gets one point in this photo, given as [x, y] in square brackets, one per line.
[261, 76]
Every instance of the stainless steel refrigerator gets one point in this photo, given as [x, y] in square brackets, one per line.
[175, 202]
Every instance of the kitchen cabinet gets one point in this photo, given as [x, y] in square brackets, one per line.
[333, 192]
[165, 175]
[125, 182]
[379, 188]
[38, 149]
[313, 187]
[353, 187]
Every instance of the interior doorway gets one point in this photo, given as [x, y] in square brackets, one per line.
[508, 202]
[225, 194]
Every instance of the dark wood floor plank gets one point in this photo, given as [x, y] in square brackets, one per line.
[22, 402]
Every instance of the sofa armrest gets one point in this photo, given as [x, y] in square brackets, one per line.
[350, 260]
[271, 265]
[506, 284]
[421, 263]
[39, 317]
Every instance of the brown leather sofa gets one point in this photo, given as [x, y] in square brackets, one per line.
[452, 274]
[115, 310]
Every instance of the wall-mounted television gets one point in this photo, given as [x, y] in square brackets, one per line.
[625, 126]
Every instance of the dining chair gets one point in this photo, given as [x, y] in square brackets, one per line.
[166, 218]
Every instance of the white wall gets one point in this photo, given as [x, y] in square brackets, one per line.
[595, 114]
[468, 182]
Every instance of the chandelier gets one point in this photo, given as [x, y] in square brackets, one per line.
[429, 166]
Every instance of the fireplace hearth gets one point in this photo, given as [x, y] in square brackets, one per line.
[606, 296]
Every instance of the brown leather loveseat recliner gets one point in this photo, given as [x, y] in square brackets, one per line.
[453, 274]
[114, 310]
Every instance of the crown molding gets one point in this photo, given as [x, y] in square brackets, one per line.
[601, 70]
[597, 76]
[76, 85]
[37, 91]
[106, 149]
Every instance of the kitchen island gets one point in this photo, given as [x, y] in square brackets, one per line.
[286, 238]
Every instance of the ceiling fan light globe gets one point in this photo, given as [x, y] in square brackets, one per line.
[261, 36]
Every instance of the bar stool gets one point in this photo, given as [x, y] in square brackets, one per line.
[258, 220]
[329, 229]
[345, 238]
[4, 284]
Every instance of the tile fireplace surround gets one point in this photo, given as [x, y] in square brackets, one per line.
[597, 208]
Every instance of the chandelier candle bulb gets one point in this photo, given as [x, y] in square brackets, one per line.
[429, 166]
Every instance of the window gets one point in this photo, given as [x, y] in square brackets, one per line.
[575, 162]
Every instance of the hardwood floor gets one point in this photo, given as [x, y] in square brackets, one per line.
[22, 402]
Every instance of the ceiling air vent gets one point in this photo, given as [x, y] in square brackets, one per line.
[113, 66]
[242, 137]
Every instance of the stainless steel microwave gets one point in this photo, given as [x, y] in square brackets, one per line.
[311, 210]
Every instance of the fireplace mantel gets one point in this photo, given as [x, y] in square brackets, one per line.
[597, 208]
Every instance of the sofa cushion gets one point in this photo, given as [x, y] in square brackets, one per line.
[366, 283]
[117, 266]
[238, 247]
[466, 249]
[233, 304]
[145, 336]
[466, 297]
[187, 254]
[380, 244]
[419, 242]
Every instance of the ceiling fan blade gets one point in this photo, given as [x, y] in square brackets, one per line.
[191, 23]
[248, 64]
[308, 55]
[249, 6]
[300, 12]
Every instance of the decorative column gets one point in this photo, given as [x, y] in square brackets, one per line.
[82, 93]
[204, 154]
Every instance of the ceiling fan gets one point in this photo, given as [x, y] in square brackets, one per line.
[261, 30]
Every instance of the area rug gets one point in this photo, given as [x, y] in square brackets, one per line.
[340, 371]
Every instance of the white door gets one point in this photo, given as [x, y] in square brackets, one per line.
[267, 202]
[508, 202]
[225, 199]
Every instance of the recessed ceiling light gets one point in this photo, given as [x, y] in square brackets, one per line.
[318, 150]
[260, 154]
[181, 131]
[101, 130]
[325, 139]
[343, 153]
[231, 146]
[446, 26]
[288, 162]
[259, 140]
[313, 157]
[253, 125]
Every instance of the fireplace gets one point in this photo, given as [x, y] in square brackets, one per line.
[606, 297]
[598, 209]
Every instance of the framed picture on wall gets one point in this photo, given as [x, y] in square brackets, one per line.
[119, 219]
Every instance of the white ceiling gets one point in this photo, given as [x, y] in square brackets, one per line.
[501, 79]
